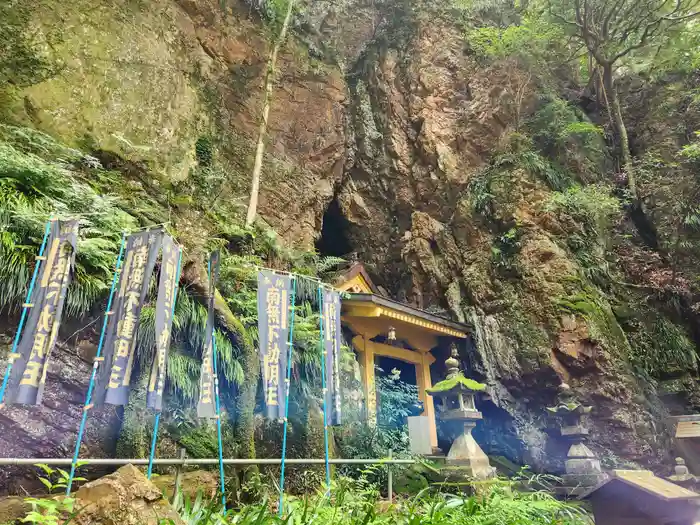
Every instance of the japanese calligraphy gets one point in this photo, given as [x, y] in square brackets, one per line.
[331, 353]
[273, 307]
[206, 407]
[124, 319]
[46, 304]
[163, 326]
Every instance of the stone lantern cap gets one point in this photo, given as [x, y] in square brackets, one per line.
[565, 409]
[457, 384]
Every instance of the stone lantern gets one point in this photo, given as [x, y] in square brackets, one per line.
[682, 476]
[456, 394]
[582, 466]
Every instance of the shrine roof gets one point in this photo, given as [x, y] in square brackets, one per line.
[403, 312]
[646, 481]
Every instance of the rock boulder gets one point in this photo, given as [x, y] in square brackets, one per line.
[125, 497]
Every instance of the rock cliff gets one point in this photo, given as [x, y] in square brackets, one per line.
[389, 140]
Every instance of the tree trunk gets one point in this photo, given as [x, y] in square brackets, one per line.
[638, 214]
[262, 130]
[616, 111]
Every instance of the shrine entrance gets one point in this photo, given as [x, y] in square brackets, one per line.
[397, 391]
[384, 328]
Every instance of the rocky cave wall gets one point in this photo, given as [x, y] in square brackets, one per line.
[381, 117]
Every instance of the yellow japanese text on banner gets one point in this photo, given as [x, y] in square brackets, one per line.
[164, 321]
[113, 380]
[273, 327]
[206, 407]
[41, 331]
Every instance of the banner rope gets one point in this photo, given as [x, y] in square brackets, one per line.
[156, 422]
[324, 388]
[218, 403]
[288, 382]
[309, 278]
[25, 308]
[95, 365]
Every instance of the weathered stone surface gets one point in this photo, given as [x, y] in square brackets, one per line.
[191, 483]
[13, 508]
[50, 429]
[123, 498]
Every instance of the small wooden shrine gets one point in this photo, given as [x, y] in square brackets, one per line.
[638, 497]
[385, 327]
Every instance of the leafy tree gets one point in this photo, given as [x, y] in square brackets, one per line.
[611, 31]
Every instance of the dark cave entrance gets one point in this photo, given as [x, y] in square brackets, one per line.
[334, 239]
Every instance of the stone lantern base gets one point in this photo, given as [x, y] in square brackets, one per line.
[466, 454]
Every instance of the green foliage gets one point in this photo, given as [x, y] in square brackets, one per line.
[661, 347]
[361, 440]
[532, 41]
[505, 249]
[197, 512]
[54, 478]
[591, 207]
[272, 11]
[31, 189]
[397, 398]
[562, 132]
[692, 151]
[50, 511]
[354, 502]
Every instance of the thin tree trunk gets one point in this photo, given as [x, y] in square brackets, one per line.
[262, 130]
[616, 111]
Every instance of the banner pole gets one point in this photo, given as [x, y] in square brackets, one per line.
[25, 309]
[287, 381]
[218, 405]
[324, 389]
[95, 365]
[156, 423]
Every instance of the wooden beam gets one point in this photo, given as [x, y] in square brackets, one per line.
[402, 354]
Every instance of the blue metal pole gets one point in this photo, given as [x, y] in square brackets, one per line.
[288, 381]
[25, 309]
[218, 403]
[324, 389]
[218, 422]
[156, 423]
[95, 365]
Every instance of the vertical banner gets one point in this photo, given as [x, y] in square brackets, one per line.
[273, 315]
[165, 303]
[112, 385]
[46, 302]
[331, 353]
[206, 407]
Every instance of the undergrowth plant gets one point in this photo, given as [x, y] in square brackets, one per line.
[354, 502]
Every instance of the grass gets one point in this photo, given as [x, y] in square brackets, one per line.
[355, 502]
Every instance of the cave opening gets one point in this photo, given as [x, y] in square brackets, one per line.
[334, 240]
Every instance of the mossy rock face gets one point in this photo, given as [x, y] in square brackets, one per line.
[457, 383]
